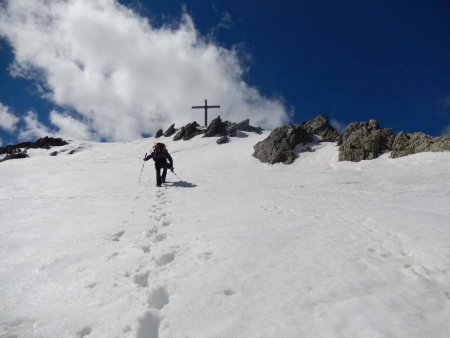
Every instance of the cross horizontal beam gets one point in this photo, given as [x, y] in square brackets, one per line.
[206, 110]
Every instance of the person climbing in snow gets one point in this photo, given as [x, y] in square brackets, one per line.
[160, 155]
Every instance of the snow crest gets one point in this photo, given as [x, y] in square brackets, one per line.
[319, 248]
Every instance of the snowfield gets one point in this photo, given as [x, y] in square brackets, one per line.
[319, 248]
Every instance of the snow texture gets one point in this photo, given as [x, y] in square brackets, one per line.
[319, 248]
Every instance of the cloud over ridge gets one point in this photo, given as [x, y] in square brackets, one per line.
[118, 77]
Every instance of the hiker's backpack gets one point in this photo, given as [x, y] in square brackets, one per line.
[159, 151]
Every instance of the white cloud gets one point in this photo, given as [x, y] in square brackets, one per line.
[444, 101]
[340, 127]
[33, 128]
[70, 128]
[8, 121]
[226, 22]
[446, 130]
[123, 75]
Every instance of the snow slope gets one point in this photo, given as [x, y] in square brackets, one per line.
[319, 248]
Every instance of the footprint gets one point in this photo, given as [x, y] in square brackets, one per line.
[116, 236]
[151, 232]
[91, 286]
[165, 223]
[146, 248]
[141, 279]
[206, 255]
[159, 237]
[158, 298]
[112, 256]
[148, 326]
[229, 292]
[85, 331]
[165, 259]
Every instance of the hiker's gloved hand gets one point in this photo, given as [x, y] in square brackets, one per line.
[171, 168]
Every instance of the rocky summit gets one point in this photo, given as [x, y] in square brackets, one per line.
[280, 144]
[365, 141]
[413, 143]
[321, 127]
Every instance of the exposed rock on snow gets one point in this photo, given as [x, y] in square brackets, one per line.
[280, 144]
[170, 131]
[412, 143]
[245, 126]
[187, 132]
[222, 140]
[15, 155]
[43, 143]
[159, 133]
[216, 127]
[232, 129]
[365, 141]
[320, 126]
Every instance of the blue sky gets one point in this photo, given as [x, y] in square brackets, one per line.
[354, 60]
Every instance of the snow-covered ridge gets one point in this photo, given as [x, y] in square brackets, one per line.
[319, 248]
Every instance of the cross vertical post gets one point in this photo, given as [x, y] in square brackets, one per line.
[206, 110]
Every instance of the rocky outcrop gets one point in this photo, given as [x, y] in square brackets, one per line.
[187, 132]
[321, 127]
[413, 143]
[280, 144]
[159, 133]
[42, 143]
[365, 141]
[16, 154]
[245, 126]
[216, 127]
[223, 140]
[170, 131]
[231, 129]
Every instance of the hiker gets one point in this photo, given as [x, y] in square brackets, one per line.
[160, 155]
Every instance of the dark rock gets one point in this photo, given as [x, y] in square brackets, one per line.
[245, 126]
[187, 132]
[48, 142]
[280, 144]
[15, 155]
[44, 143]
[159, 133]
[53, 153]
[413, 143]
[222, 140]
[231, 129]
[170, 131]
[321, 127]
[216, 127]
[365, 141]
[308, 149]
[178, 136]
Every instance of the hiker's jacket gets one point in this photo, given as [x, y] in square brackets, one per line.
[161, 160]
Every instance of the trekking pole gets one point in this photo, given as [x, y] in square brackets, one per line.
[142, 169]
[173, 172]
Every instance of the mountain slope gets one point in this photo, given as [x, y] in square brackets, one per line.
[238, 249]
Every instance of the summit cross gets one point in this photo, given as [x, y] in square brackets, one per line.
[206, 110]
